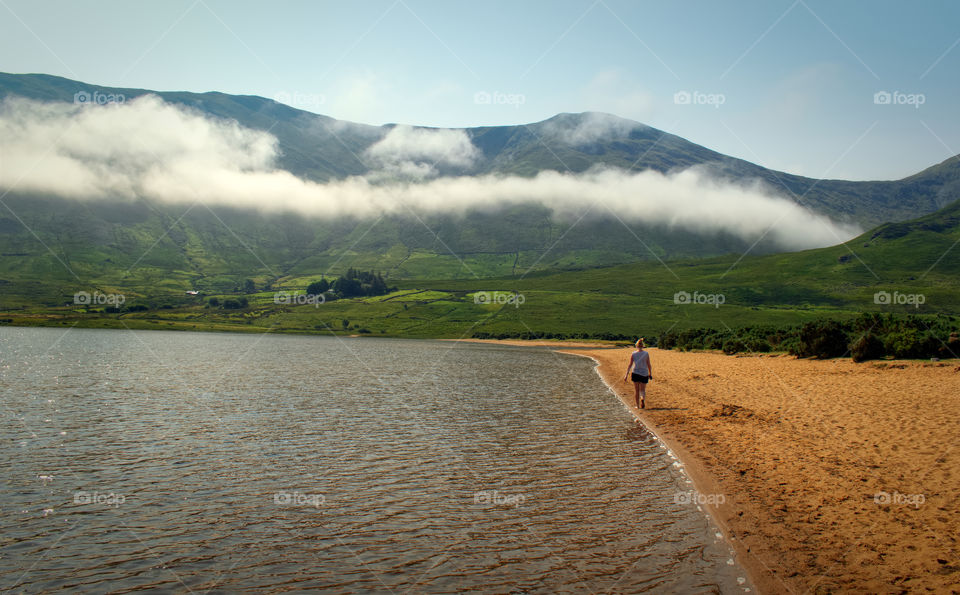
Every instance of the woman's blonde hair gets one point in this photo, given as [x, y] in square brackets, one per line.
[639, 342]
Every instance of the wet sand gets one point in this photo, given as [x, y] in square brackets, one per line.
[834, 476]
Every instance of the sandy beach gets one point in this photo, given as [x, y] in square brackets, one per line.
[835, 476]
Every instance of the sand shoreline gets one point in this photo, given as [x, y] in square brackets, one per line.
[835, 476]
[703, 482]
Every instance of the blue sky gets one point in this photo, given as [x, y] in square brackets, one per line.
[787, 84]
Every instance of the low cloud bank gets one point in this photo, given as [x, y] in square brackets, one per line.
[147, 148]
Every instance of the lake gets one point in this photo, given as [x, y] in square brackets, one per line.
[196, 462]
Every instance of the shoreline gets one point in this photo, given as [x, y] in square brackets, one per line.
[835, 476]
[703, 483]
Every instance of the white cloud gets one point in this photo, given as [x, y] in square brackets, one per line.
[591, 128]
[150, 149]
[80, 151]
[439, 145]
[417, 151]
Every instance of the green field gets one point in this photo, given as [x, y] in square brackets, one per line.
[905, 268]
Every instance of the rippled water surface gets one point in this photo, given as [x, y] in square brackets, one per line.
[223, 462]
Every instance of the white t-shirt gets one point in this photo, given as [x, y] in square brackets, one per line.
[641, 361]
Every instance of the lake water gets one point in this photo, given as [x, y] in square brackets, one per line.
[196, 462]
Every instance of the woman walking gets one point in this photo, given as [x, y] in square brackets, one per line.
[642, 373]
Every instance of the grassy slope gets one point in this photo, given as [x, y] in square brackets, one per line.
[917, 257]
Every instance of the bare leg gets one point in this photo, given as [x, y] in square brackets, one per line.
[642, 389]
[636, 393]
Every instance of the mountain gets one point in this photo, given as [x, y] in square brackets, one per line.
[51, 246]
[321, 148]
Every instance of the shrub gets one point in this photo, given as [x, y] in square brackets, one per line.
[867, 347]
[667, 340]
[717, 342]
[758, 345]
[822, 339]
[951, 348]
[731, 346]
[904, 343]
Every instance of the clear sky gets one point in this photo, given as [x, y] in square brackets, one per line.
[789, 84]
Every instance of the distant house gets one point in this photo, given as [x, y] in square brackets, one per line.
[193, 292]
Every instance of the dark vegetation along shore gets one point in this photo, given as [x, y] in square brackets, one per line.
[866, 337]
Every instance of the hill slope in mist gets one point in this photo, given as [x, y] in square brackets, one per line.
[904, 268]
[202, 191]
[319, 148]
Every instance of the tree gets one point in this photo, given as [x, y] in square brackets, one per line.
[249, 286]
[214, 302]
[354, 283]
[347, 286]
[318, 287]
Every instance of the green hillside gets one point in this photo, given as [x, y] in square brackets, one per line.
[913, 263]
